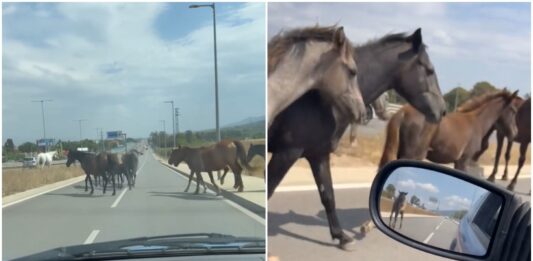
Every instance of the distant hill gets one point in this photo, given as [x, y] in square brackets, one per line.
[249, 120]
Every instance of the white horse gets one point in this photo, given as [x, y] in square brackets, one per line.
[46, 158]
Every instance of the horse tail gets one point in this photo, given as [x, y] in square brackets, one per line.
[390, 151]
[241, 155]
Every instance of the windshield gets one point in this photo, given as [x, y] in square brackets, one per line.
[119, 104]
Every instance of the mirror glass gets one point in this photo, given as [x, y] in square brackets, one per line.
[439, 210]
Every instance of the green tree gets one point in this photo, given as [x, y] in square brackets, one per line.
[9, 146]
[188, 136]
[455, 96]
[481, 88]
[28, 147]
[389, 191]
[415, 200]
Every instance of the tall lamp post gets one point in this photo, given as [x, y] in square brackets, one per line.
[44, 127]
[80, 121]
[173, 124]
[212, 5]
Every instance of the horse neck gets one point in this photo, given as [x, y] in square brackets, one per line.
[487, 114]
[375, 70]
[294, 76]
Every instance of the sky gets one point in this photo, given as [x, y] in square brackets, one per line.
[467, 42]
[453, 193]
[115, 65]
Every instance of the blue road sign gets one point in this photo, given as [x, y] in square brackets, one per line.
[111, 135]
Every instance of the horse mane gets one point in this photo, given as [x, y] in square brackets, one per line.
[284, 40]
[476, 102]
[390, 38]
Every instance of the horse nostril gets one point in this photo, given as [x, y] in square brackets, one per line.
[443, 113]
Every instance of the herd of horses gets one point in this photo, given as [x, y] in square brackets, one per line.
[224, 155]
[319, 84]
[106, 167]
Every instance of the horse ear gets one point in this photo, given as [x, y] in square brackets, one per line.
[339, 38]
[416, 39]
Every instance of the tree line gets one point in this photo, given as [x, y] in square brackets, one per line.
[456, 96]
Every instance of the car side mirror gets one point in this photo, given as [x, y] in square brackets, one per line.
[449, 213]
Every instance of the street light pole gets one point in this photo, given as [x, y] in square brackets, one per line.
[44, 126]
[173, 124]
[80, 120]
[212, 5]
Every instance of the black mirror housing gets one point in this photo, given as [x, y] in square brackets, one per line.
[512, 235]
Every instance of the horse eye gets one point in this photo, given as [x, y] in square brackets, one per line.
[352, 71]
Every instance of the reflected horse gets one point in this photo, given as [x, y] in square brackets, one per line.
[398, 207]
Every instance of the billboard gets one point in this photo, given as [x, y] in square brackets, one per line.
[45, 142]
[113, 135]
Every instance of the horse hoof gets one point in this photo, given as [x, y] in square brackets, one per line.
[510, 187]
[491, 179]
[504, 177]
[241, 189]
[348, 245]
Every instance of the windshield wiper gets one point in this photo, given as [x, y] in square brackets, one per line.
[171, 245]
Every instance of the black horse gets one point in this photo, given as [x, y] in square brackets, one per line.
[96, 165]
[255, 149]
[310, 128]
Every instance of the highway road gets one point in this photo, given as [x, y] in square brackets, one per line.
[298, 228]
[156, 206]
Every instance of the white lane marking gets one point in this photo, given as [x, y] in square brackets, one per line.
[44, 192]
[314, 188]
[247, 212]
[124, 190]
[432, 233]
[428, 238]
[119, 197]
[91, 237]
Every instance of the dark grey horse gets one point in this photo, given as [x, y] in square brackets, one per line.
[397, 208]
[311, 129]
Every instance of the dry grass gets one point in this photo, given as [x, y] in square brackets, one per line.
[18, 180]
[368, 150]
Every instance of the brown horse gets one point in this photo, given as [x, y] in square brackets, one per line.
[522, 136]
[212, 158]
[313, 58]
[456, 138]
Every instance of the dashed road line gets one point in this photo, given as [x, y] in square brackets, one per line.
[314, 188]
[90, 239]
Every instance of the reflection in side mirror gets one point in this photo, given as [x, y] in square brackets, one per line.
[439, 210]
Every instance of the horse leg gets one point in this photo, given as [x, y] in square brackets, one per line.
[279, 164]
[190, 179]
[460, 164]
[521, 160]
[113, 179]
[401, 218]
[321, 172]
[86, 179]
[213, 181]
[499, 140]
[198, 180]
[226, 169]
[238, 178]
[106, 179]
[507, 157]
[91, 183]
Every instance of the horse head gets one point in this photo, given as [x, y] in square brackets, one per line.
[177, 156]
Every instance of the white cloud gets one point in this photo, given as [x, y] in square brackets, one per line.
[95, 56]
[457, 202]
[412, 185]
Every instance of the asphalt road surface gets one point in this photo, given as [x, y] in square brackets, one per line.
[298, 228]
[156, 206]
[435, 231]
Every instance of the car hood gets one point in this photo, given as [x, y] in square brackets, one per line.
[171, 245]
